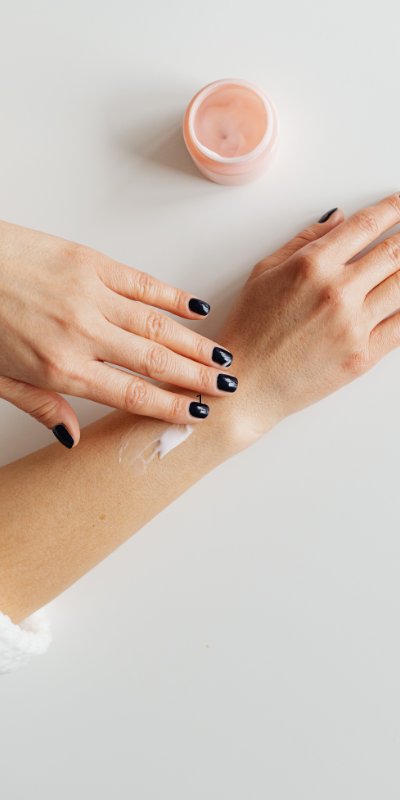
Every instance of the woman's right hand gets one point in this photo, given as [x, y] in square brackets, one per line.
[67, 312]
[307, 322]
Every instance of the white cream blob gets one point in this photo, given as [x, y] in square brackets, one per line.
[174, 435]
[139, 446]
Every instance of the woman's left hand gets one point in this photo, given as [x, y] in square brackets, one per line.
[307, 321]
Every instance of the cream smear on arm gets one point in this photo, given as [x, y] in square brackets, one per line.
[139, 446]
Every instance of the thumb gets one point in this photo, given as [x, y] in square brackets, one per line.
[327, 222]
[49, 408]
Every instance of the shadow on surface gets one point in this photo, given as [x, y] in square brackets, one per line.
[161, 142]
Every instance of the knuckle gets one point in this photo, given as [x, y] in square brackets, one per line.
[78, 254]
[157, 361]
[306, 237]
[334, 297]
[352, 333]
[51, 367]
[308, 264]
[156, 326]
[135, 395]
[178, 406]
[176, 300]
[206, 377]
[367, 223]
[59, 370]
[391, 249]
[259, 267]
[199, 348]
[71, 320]
[394, 202]
[44, 412]
[75, 320]
[145, 285]
[358, 362]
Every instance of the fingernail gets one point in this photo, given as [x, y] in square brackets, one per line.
[327, 215]
[226, 383]
[63, 436]
[199, 306]
[222, 357]
[199, 410]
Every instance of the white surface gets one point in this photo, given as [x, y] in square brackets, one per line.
[286, 561]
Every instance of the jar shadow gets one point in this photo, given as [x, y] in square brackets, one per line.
[161, 142]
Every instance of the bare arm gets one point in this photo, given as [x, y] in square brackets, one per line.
[305, 324]
[63, 512]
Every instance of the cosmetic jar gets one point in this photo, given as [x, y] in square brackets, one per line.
[231, 129]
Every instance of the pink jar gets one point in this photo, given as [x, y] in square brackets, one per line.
[231, 129]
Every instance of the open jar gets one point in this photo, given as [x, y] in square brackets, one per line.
[231, 129]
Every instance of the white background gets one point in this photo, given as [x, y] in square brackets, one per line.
[246, 643]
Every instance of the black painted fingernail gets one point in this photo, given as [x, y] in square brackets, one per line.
[327, 215]
[63, 436]
[199, 410]
[222, 357]
[199, 306]
[227, 383]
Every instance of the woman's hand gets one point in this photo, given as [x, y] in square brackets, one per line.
[65, 310]
[307, 322]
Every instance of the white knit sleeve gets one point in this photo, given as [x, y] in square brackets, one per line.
[19, 642]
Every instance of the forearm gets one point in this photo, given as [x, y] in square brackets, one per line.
[62, 512]
[298, 330]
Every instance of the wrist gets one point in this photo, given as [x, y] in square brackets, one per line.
[234, 423]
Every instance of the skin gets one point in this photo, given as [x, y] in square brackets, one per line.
[305, 324]
[65, 310]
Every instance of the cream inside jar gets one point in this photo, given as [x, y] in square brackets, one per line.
[231, 122]
[231, 131]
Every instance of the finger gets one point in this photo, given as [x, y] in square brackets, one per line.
[384, 299]
[328, 221]
[118, 389]
[157, 362]
[363, 227]
[136, 285]
[385, 337]
[381, 262]
[49, 408]
[156, 327]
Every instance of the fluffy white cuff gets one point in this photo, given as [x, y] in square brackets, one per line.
[19, 642]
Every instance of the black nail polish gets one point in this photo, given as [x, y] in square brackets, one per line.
[226, 383]
[63, 436]
[222, 357]
[199, 306]
[327, 215]
[199, 410]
